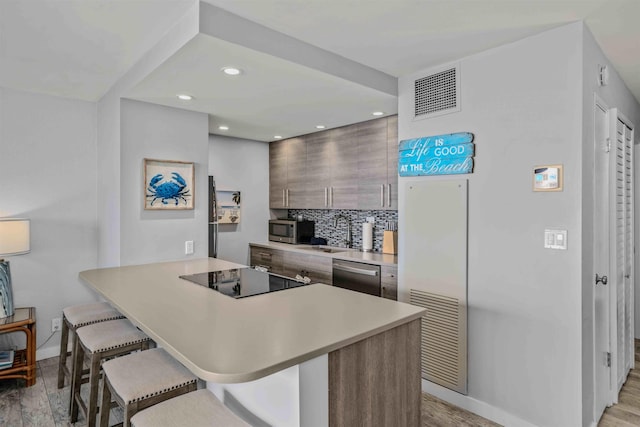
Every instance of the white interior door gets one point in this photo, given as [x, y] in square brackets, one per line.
[602, 349]
[622, 246]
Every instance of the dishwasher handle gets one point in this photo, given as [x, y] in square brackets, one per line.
[355, 270]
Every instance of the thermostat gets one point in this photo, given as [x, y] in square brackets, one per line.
[555, 239]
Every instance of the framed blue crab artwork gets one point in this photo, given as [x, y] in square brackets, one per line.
[168, 184]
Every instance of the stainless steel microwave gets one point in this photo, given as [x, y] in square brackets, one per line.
[291, 231]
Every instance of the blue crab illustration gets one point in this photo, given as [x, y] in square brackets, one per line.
[173, 190]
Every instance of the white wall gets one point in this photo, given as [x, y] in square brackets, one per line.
[109, 143]
[158, 132]
[522, 102]
[241, 164]
[48, 174]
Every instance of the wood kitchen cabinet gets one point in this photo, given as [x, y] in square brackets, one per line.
[372, 164]
[351, 167]
[317, 268]
[287, 174]
[389, 281]
[269, 258]
[290, 263]
[392, 163]
[332, 169]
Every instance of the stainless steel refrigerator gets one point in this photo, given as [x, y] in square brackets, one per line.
[213, 219]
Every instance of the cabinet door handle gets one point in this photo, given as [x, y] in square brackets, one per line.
[381, 195]
[326, 197]
[287, 198]
[331, 196]
[389, 195]
[284, 200]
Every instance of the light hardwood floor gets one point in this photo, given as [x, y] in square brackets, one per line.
[626, 413]
[44, 405]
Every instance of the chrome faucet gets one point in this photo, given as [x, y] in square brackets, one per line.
[347, 239]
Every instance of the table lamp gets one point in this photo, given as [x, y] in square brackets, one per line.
[14, 240]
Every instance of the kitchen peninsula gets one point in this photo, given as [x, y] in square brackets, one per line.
[358, 356]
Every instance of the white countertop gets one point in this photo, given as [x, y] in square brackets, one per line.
[225, 340]
[345, 253]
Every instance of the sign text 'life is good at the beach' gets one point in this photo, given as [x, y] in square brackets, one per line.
[436, 155]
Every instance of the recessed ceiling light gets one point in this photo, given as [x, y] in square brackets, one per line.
[223, 127]
[378, 113]
[320, 127]
[277, 136]
[232, 71]
[184, 97]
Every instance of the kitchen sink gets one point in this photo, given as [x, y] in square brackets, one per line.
[325, 249]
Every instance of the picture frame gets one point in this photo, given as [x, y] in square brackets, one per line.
[168, 185]
[228, 207]
[548, 178]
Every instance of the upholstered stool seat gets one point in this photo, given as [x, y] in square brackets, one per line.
[73, 318]
[199, 408]
[140, 380]
[100, 341]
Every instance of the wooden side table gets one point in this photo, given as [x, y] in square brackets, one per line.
[24, 361]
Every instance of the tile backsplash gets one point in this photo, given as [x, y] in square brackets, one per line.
[325, 224]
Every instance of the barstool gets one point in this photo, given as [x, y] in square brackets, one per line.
[139, 380]
[73, 318]
[199, 408]
[100, 341]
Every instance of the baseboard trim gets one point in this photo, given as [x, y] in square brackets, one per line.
[476, 406]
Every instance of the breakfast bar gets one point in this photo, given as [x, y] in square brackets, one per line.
[357, 355]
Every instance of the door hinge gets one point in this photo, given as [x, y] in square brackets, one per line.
[607, 146]
[608, 359]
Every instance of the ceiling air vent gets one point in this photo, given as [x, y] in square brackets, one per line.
[437, 94]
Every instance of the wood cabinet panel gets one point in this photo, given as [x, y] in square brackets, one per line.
[372, 164]
[392, 162]
[269, 258]
[296, 193]
[389, 361]
[351, 167]
[317, 268]
[277, 174]
[344, 170]
[320, 152]
[389, 281]
[287, 174]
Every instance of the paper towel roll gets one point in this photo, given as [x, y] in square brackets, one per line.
[367, 237]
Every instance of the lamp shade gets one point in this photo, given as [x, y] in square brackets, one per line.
[14, 236]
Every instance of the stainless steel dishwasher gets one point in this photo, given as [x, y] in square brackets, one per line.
[357, 276]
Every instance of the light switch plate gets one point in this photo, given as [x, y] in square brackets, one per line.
[555, 239]
[188, 247]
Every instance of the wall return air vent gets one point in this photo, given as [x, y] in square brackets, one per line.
[437, 93]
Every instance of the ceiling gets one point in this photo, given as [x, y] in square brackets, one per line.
[80, 48]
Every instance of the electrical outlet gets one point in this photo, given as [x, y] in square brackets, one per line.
[188, 247]
[56, 324]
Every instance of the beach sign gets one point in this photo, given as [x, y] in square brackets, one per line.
[436, 155]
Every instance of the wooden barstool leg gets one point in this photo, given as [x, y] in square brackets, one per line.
[105, 406]
[64, 340]
[94, 378]
[76, 380]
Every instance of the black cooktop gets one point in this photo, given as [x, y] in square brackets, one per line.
[243, 282]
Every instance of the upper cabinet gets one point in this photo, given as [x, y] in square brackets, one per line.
[287, 174]
[352, 167]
